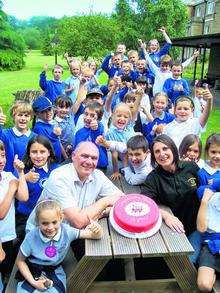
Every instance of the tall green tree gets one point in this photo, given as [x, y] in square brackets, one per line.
[11, 45]
[88, 35]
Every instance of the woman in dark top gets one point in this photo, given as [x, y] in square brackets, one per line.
[173, 183]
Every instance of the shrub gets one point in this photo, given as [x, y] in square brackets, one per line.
[11, 60]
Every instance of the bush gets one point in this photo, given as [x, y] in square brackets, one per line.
[11, 60]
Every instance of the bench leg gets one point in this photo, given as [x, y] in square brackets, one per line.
[84, 274]
[183, 271]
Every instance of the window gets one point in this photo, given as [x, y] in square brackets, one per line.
[210, 8]
[198, 11]
[206, 29]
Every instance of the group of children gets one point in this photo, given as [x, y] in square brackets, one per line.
[145, 96]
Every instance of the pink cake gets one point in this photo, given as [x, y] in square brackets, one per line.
[135, 215]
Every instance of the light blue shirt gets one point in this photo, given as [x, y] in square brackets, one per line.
[35, 243]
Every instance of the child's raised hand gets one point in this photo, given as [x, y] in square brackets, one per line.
[2, 117]
[208, 193]
[100, 140]
[66, 55]
[45, 68]
[57, 131]
[159, 129]
[196, 53]
[32, 176]
[207, 95]
[96, 229]
[115, 176]
[139, 91]
[18, 164]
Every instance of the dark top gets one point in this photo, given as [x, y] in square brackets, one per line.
[177, 191]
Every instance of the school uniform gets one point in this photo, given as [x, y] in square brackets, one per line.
[67, 125]
[72, 81]
[171, 88]
[15, 144]
[51, 88]
[136, 175]
[155, 56]
[178, 130]
[111, 70]
[46, 129]
[121, 135]
[87, 134]
[147, 129]
[46, 255]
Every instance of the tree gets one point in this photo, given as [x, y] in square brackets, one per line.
[32, 37]
[11, 45]
[88, 35]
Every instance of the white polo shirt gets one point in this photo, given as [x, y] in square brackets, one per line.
[7, 225]
[65, 186]
[178, 130]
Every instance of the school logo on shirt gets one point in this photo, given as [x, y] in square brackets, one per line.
[192, 181]
[42, 182]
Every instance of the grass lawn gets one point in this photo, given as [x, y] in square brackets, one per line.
[27, 78]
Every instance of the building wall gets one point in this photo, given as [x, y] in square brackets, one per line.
[204, 17]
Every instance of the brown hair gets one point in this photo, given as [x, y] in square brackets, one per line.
[2, 146]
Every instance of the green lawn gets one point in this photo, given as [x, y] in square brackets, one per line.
[27, 78]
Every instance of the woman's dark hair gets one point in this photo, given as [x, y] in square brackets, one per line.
[46, 143]
[214, 138]
[138, 142]
[187, 141]
[63, 101]
[165, 139]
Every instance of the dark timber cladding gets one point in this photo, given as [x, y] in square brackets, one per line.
[203, 42]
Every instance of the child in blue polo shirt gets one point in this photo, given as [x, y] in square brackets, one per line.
[176, 86]
[113, 68]
[44, 248]
[45, 125]
[55, 87]
[209, 214]
[39, 161]
[92, 129]
[16, 138]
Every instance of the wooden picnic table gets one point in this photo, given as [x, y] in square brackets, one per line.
[172, 246]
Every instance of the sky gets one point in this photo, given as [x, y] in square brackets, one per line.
[24, 9]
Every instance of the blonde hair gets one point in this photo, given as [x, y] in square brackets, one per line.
[47, 204]
[21, 107]
[121, 106]
[86, 71]
[132, 52]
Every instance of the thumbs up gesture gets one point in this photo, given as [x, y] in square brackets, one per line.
[18, 164]
[57, 131]
[32, 176]
[2, 117]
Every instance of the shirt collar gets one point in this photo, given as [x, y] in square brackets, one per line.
[44, 167]
[19, 133]
[55, 238]
[45, 122]
[209, 169]
[162, 115]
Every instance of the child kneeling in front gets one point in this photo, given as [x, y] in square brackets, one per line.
[45, 247]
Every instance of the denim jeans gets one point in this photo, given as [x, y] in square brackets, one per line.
[196, 241]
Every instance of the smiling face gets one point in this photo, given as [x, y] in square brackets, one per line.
[153, 46]
[214, 155]
[163, 156]
[89, 116]
[2, 160]
[160, 104]
[193, 152]
[176, 71]
[136, 156]
[49, 221]
[62, 112]
[75, 69]
[39, 154]
[85, 159]
[183, 111]
[57, 73]
[121, 116]
[46, 115]
[21, 120]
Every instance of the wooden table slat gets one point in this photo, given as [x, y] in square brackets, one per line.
[153, 246]
[123, 246]
[127, 188]
[177, 243]
[102, 247]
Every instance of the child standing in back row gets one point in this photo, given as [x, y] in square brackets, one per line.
[44, 248]
[184, 122]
